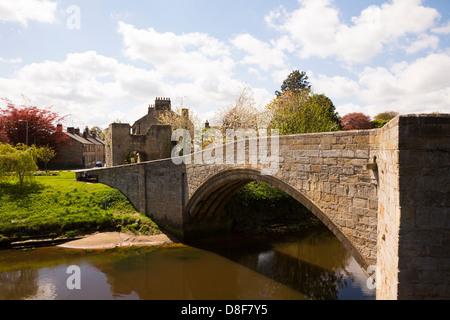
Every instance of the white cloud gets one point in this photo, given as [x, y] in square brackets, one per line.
[264, 55]
[444, 29]
[185, 56]
[420, 86]
[423, 41]
[96, 90]
[336, 87]
[416, 87]
[317, 29]
[196, 66]
[14, 60]
[279, 75]
[88, 86]
[347, 108]
[22, 11]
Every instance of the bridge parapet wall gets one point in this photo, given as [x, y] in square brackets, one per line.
[326, 171]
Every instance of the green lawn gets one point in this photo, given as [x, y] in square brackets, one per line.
[60, 206]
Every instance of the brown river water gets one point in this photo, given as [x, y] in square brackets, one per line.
[311, 265]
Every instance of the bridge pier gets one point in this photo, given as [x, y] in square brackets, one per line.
[413, 260]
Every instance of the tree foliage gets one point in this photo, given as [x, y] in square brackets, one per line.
[179, 120]
[3, 137]
[296, 81]
[242, 114]
[387, 115]
[45, 154]
[296, 112]
[97, 131]
[17, 160]
[381, 119]
[379, 123]
[356, 121]
[41, 124]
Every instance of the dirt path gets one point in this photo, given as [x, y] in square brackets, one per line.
[107, 240]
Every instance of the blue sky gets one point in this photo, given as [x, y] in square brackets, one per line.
[104, 60]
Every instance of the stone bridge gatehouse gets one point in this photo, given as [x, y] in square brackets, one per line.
[385, 193]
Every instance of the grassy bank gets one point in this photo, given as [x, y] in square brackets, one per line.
[59, 206]
[261, 208]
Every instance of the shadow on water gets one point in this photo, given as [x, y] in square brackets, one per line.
[312, 262]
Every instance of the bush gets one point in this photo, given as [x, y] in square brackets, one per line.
[356, 121]
[379, 123]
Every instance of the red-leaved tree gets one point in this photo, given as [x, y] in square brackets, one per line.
[3, 137]
[356, 121]
[37, 125]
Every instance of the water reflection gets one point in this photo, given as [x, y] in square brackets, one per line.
[309, 266]
[21, 283]
[313, 263]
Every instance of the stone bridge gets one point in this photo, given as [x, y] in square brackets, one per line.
[384, 193]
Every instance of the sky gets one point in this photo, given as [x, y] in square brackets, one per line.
[99, 61]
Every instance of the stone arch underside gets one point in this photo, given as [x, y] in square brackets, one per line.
[215, 192]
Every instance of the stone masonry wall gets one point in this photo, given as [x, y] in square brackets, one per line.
[388, 211]
[156, 144]
[424, 236]
[414, 208]
[328, 171]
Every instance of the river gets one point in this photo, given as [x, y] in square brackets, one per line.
[312, 265]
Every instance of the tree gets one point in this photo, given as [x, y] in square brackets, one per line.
[180, 119]
[45, 154]
[380, 120]
[356, 121]
[3, 137]
[296, 81]
[303, 112]
[387, 115]
[6, 150]
[97, 132]
[18, 160]
[29, 123]
[243, 114]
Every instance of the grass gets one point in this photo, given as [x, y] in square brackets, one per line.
[59, 206]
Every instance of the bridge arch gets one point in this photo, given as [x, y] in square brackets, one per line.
[216, 191]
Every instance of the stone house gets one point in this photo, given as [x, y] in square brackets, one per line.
[83, 150]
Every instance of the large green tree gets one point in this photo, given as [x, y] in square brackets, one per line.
[296, 112]
[297, 81]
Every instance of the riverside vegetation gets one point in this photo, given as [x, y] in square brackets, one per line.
[263, 209]
[52, 206]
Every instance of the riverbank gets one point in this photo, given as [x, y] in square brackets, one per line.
[59, 207]
[108, 240]
[97, 241]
